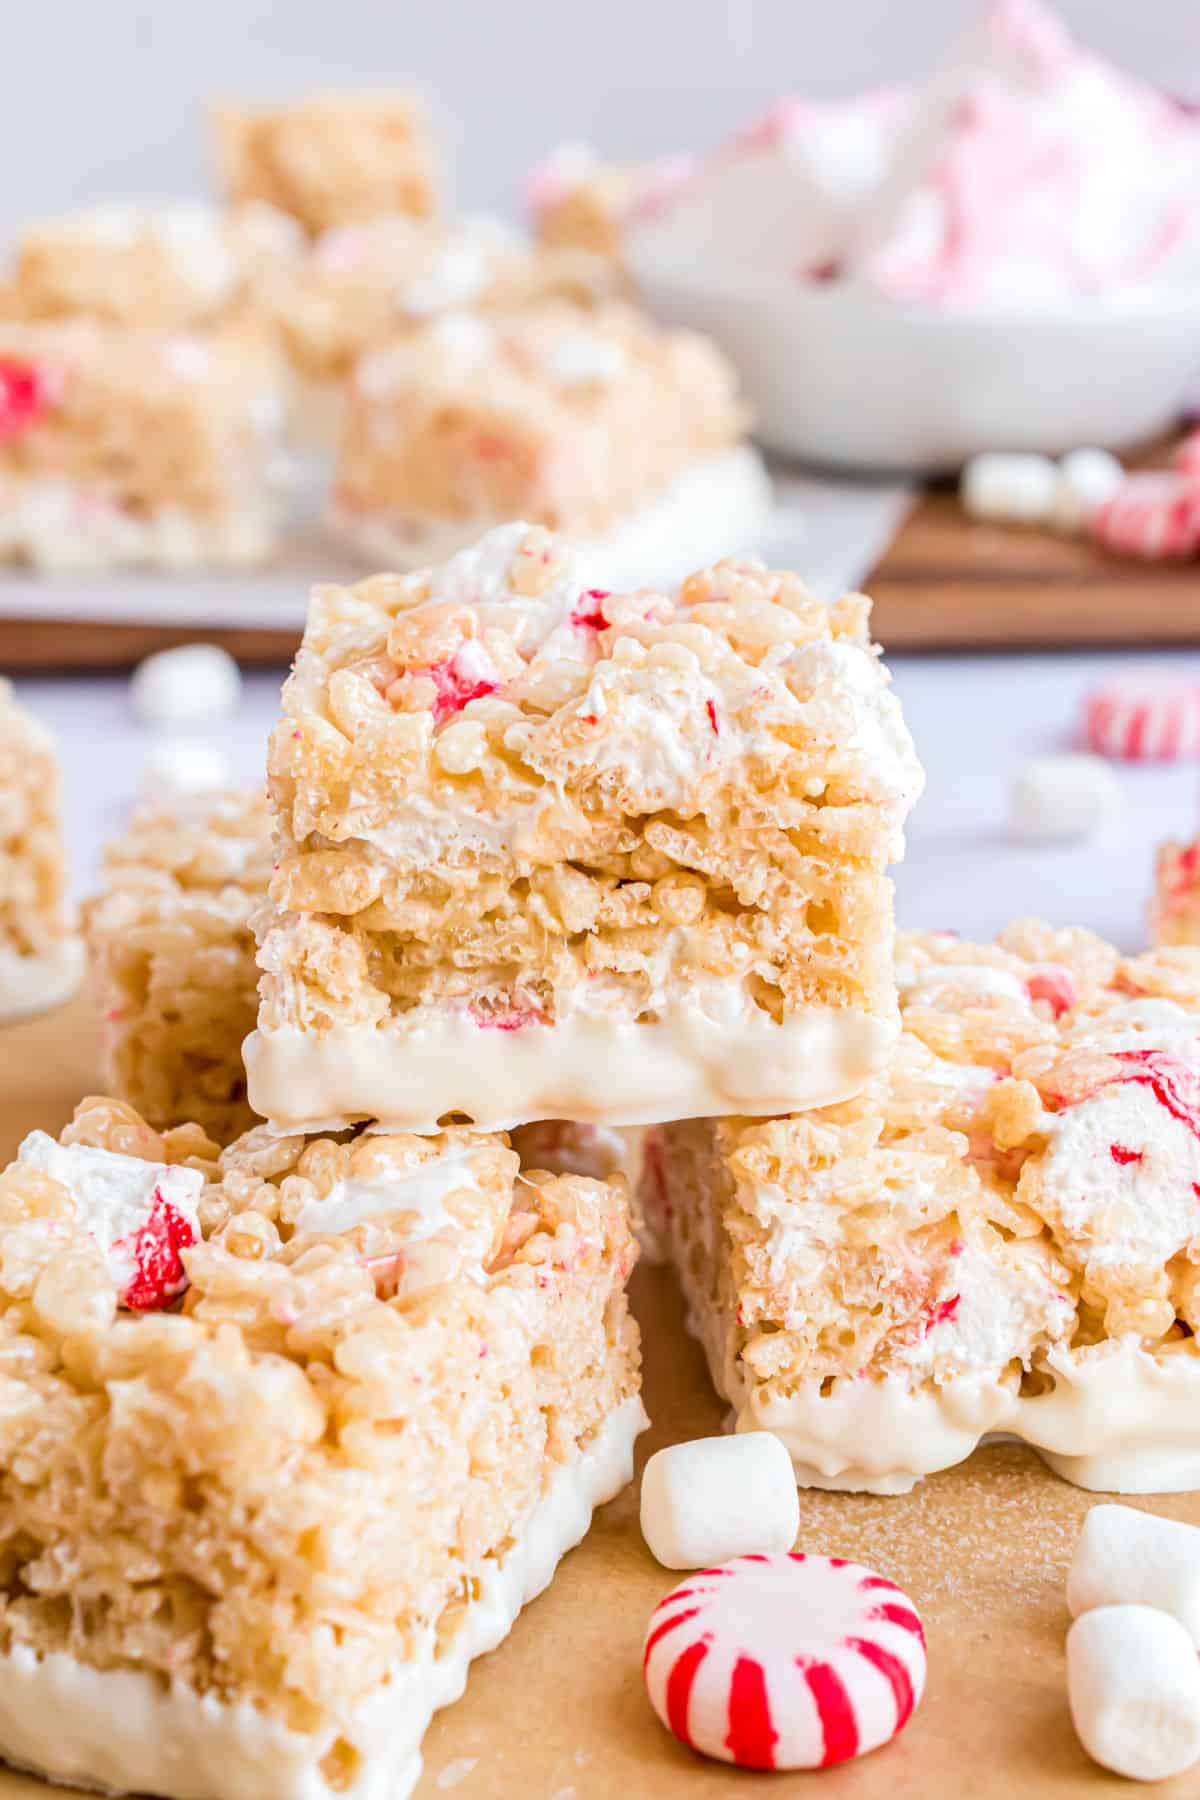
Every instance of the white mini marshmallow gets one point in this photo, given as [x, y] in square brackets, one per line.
[176, 766]
[177, 687]
[1086, 479]
[718, 1497]
[1010, 487]
[1133, 1684]
[1129, 1557]
[1064, 796]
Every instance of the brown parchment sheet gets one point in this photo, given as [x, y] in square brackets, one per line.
[558, 1712]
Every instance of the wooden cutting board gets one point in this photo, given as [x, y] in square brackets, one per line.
[558, 1711]
[946, 583]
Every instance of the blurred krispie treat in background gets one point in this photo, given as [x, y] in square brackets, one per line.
[121, 445]
[365, 284]
[330, 159]
[599, 424]
[577, 202]
[1175, 908]
[1001, 1235]
[180, 266]
[316, 1421]
[547, 851]
[41, 956]
[171, 957]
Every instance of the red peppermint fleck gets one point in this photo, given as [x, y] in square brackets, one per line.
[490, 447]
[1174, 1085]
[458, 681]
[514, 1018]
[24, 396]
[1121, 1155]
[1187, 870]
[710, 707]
[155, 1250]
[943, 1313]
[589, 614]
[1052, 983]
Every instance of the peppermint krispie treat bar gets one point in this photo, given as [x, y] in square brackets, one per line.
[174, 267]
[126, 446]
[330, 159]
[599, 424]
[172, 957]
[41, 956]
[368, 283]
[576, 201]
[1002, 1235]
[289, 1439]
[547, 851]
[1175, 908]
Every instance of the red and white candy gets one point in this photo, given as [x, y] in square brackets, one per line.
[141, 1214]
[786, 1661]
[1143, 721]
[1153, 515]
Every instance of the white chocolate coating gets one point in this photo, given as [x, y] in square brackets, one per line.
[702, 1056]
[34, 984]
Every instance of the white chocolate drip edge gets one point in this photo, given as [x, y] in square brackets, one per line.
[121, 1731]
[33, 984]
[1117, 1420]
[717, 507]
[590, 1067]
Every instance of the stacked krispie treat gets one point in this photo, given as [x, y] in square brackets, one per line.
[41, 956]
[1000, 1234]
[550, 852]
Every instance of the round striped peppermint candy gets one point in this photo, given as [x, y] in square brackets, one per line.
[1144, 721]
[1153, 515]
[786, 1661]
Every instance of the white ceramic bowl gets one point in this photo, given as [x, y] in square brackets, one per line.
[844, 377]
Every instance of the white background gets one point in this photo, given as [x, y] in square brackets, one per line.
[103, 99]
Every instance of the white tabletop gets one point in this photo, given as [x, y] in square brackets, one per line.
[974, 718]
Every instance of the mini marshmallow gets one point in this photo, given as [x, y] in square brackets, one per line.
[1129, 1557]
[1010, 487]
[184, 766]
[177, 687]
[718, 1497]
[1067, 796]
[1086, 479]
[1133, 1684]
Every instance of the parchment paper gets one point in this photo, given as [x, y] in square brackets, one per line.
[558, 1711]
